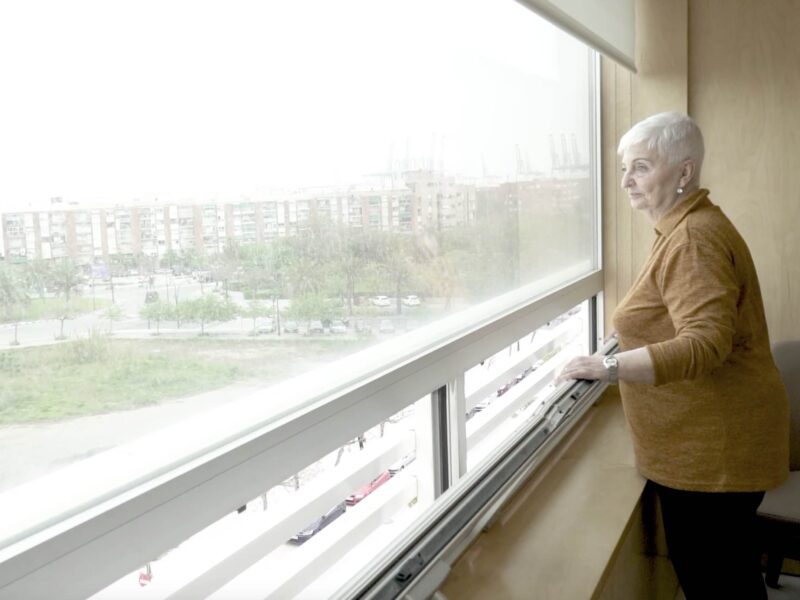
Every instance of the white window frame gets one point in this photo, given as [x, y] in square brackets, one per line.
[123, 532]
[82, 545]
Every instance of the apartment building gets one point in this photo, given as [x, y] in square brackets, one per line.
[426, 200]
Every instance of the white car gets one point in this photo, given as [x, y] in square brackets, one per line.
[402, 463]
[266, 326]
[381, 301]
[410, 300]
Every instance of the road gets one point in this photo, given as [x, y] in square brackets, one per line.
[128, 296]
[44, 447]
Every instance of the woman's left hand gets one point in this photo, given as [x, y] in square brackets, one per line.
[583, 367]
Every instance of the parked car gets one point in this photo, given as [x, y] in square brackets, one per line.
[381, 301]
[266, 326]
[290, 327]
[410, 300]
[402, 463]
[503, 389]
[151, 296]
[386, 326]
[316, 327]
[366, 490]
[477, 408]
[338, 327]
[310, 530]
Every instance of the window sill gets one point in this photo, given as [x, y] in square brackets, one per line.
[564, 530]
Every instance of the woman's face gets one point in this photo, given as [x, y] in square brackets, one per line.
[650, 181]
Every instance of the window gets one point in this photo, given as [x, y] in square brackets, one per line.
[261, 354]
[512, 388]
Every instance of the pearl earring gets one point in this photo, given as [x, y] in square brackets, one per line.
[680, 191]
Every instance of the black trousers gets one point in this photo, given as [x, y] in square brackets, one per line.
[712, 538]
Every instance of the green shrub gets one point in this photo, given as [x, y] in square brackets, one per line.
[92, 349]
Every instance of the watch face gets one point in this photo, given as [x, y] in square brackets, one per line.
[610, 364]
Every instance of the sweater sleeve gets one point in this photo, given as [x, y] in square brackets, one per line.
[700, 290]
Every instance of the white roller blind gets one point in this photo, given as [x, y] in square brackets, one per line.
[605, 25]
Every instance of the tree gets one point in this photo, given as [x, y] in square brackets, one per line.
[396, 260]
[192, 260]
[67, 313]
[442, 279]
[310, 306]
[254, 261]
[170, 260]
[225, 265]
[146, 264]
[12, 298]
[349, 259]
[209, 308]
[277, 261]
[438, 273]
[257, 309]
[38, 275]
[156, 311]
[180, 312]
[113, 313]
[66, 276]
[304, 272]
[119, 266]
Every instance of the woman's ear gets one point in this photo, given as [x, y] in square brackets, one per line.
[687, 172]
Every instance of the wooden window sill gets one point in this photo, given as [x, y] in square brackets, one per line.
[562, 534]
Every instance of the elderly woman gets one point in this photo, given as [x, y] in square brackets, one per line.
[704, 400]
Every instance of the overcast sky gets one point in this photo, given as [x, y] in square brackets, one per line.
[112, 100]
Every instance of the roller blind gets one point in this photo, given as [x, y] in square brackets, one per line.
[605, 25]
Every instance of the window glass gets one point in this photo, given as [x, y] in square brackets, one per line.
[512, 389]
[308, 535]
[204, 199]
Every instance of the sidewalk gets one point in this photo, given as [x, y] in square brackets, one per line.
[40, 448]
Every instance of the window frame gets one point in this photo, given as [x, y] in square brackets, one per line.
[161, 512]
[127, 527]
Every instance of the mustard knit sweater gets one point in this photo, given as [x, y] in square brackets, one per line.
[717, 418]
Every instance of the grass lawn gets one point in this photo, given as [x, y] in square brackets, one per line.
[99, 375]
[53, 308]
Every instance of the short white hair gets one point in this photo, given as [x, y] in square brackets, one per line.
[673, 136]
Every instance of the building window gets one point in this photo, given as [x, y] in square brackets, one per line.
[283, 389]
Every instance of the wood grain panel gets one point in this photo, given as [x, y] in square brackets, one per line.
[608, 160]
[744, 89]
[660, 85]
[641, 568]
[555, 539]
[624, 217]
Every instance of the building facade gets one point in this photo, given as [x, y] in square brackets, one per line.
[423, 201]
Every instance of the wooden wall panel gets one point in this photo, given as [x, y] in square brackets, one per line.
[732, 65]
[641, 569]
[554, 539]
[744, 83]
[659, 85]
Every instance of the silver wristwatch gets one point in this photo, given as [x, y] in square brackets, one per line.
[612, 366]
